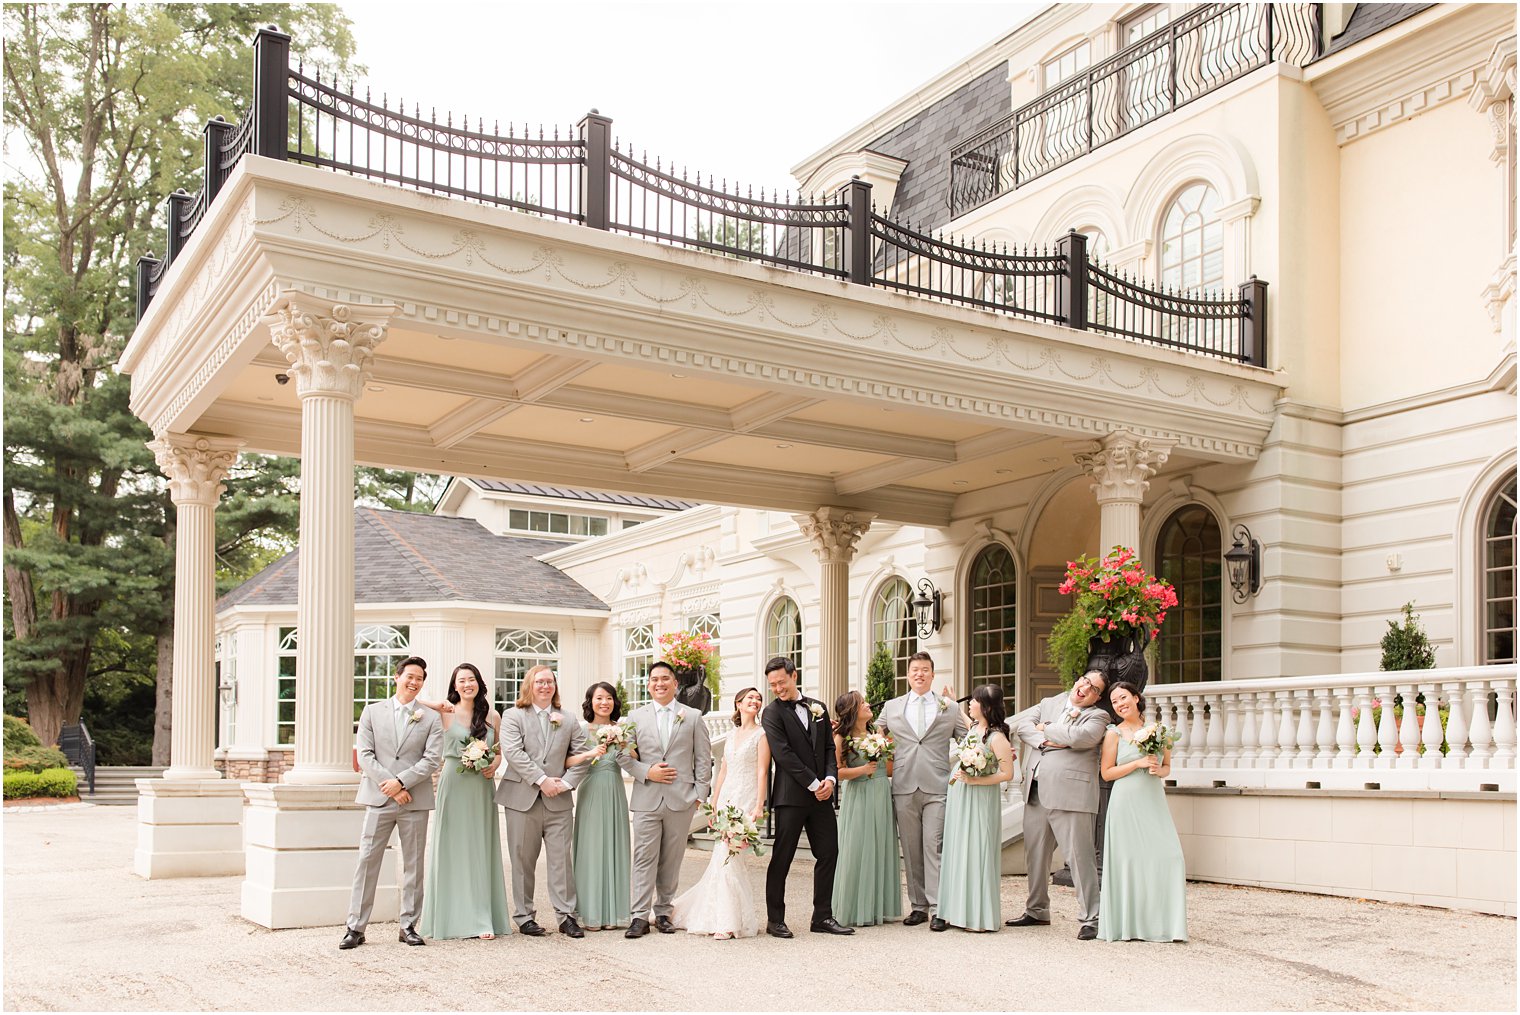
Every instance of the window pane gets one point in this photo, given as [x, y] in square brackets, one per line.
[598, 526]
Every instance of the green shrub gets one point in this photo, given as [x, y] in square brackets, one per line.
[34, 759]
[51, 782]
[1405, 644]
[19, 734]
[881, 675]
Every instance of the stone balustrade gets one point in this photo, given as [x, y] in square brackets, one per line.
[1343, 731]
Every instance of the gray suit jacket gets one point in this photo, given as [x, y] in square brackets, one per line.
[689, 753]
[922, 765]
[413, 760]
[1068, 776]
[526, 757]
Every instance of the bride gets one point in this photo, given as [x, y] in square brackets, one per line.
[722, 903]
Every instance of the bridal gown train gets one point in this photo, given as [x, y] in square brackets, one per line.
[723, 901]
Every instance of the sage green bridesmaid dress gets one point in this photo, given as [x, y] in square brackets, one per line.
[464, 893]
[602, 845]
[1144, 888]
[970, 871]
[868, 876]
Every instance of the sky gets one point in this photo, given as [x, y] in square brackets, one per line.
[739, 90]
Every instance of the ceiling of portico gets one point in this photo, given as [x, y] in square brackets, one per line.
[837, 394]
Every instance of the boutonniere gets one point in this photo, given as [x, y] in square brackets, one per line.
[816, 709]
[680, 718]
[414, 717]
[944, 704]
[1073, 713]
[555, 719]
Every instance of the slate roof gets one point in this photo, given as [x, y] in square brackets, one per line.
[406, 557]
[596, 497]
[1369, 19]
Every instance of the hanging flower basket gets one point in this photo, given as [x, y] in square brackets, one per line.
[1117, 608]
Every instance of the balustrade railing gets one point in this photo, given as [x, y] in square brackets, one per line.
[1450, 729]
[1204, 49]
[588, 177]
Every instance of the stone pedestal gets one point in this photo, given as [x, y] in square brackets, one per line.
[302, 845]
[188, 828]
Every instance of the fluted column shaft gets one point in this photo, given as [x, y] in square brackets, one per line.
[834, 534]
[1121, 465]
[329, 349]
[196, 467]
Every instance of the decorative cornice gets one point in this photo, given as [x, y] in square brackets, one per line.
[195, 465]
[329, 346]
[1499, 291]
[1493, 95]
[1122, 464]
[834, 532]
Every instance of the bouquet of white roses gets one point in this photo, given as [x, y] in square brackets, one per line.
[476, 756]
[877, 745]
[1155, 739]
[618, 736]
[736, 829]
[972, 756]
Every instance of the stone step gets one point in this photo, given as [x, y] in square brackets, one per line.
[115, 785]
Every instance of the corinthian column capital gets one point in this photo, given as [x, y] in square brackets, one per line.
[329, 346]
[1122, 463]
[834, 532]
[195, 465]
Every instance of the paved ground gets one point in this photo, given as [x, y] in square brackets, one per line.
[82, 932]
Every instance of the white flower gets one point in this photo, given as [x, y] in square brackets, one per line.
[816, 709]
[555, 719]
[415, 716]
[944, 703]
[680, 718]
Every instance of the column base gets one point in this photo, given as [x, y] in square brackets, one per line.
[302, 848]
[313, 776]
[188, 828]
[178, 774]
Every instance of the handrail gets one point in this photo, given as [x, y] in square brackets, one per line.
[78, 746]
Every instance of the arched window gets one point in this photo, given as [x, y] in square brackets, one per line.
[1499, 575]
[638, 656]
[517, 652]
[892, 625]
[1192, 239]
[1190, 555]
[378, 650]
[783, 631]
[993, 618]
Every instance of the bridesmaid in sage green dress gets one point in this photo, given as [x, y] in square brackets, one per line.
[868, 877]
[1143, 896]
[970, 881]
[464, 892]
[601, 852]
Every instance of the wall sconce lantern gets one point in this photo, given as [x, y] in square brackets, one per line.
[1243, 560]
[228, 689]
[926, 609]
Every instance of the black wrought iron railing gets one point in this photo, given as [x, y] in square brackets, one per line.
[588, 177]
[1198, 53]
[78, 746]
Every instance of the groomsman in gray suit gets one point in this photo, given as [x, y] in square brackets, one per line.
[671, 776]
[922, 724]
[400, 747]
[534, 792]
[1063, 735]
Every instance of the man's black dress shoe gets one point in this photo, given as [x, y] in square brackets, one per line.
[637, 927]
[570, 928]
[915, 918]
[663, 925]
[532, 929]
[937, 924]
[778, 930]
[409, 936]
[352, 939]
[830, 926]
[1087, 933]
[1026, 921]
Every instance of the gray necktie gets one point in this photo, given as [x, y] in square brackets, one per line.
[664, 727]
[396, 717]
[543, 728]
[923, 715]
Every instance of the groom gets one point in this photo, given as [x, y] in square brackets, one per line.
[802, 785]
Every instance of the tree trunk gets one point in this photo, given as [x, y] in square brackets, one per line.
[163, 706]
[57, 698]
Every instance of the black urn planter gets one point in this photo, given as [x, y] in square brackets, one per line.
[1122, 657]
[691, 689]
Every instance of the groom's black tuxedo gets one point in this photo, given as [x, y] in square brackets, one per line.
[800, 753]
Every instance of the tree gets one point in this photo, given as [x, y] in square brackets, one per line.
[108, 102]
[881, 675]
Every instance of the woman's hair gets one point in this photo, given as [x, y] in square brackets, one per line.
[525, 692]
[482, 707]
[1132, 689]
[990, 698]
[617, 701]
[846, 709]
[739, 719]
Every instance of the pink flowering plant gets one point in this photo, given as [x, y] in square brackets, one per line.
[1111, 597]
[687, 651]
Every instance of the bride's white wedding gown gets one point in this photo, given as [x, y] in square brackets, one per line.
[723, 902]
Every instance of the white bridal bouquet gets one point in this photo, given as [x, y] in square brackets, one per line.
[476, 756]
[737, 830]
[618, 736]
[1155, 739]
[972, 756]
[877, 745]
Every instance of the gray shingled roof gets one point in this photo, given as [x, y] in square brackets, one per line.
[566, 493]
[405, 557]
[1368, 20]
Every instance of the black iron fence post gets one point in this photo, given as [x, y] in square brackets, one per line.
[1253, 322]
[596, 173]
[271, 94]
[177, 203]
[856, 196]
[215, 137]
[146, 265]
[1071, 292]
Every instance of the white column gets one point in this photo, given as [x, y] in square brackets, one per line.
[834, 533]
[1121, 465]
[329, 348]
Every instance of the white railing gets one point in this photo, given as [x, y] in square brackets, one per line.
[1343, 731]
